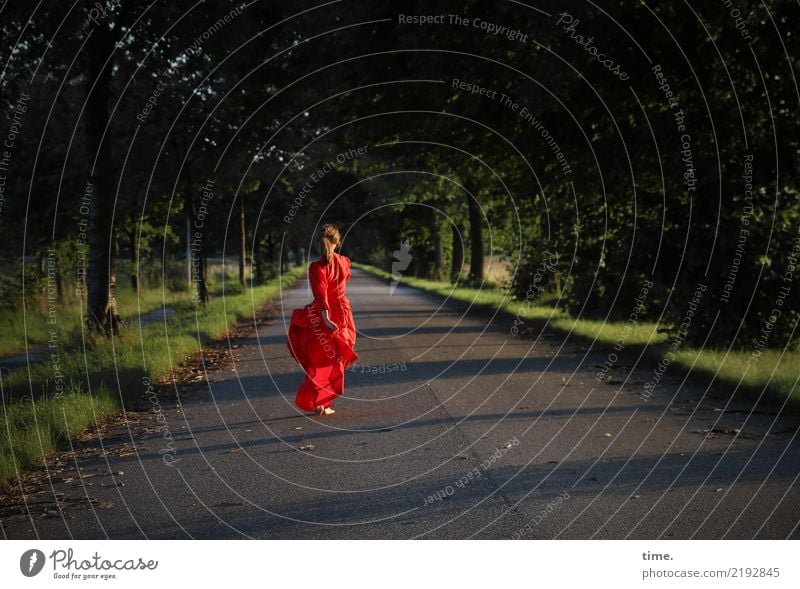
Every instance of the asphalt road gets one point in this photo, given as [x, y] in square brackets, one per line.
[450, 428]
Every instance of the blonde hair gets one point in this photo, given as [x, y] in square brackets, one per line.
[329, 241]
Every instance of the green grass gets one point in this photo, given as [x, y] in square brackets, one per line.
[32, 327]
[15, 327]
[754, 373]
[29, 431]
[732, 367]
[611, 333]
[111, 370]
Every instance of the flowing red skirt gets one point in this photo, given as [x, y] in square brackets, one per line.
[323, 354]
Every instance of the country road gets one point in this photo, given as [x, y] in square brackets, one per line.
[450, 428]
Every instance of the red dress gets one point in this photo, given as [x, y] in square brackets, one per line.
[323, 354]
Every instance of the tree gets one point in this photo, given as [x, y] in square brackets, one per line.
[102, 313]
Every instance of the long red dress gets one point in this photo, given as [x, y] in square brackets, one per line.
[323, 354]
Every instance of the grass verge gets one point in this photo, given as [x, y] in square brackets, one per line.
[98, 374]
[32, 327]
[774, 371]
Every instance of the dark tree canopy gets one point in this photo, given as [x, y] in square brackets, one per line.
[635, 143]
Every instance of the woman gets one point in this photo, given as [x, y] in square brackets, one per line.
[322, 334]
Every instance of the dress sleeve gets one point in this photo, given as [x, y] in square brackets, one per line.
[319, 285]
[347, 268]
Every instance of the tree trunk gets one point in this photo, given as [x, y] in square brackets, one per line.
[438, 254]
[59, 282]
[285, 258]
[475, 238]
[202, 285]
[189, 282]
[197, 247]
[270, 247]
[133, 240]
[101, 300]
[458, 253]
[112, 286]
[258, 261]
[242, 242]
[45, 265]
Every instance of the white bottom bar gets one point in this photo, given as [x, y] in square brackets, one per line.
[367, 563]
